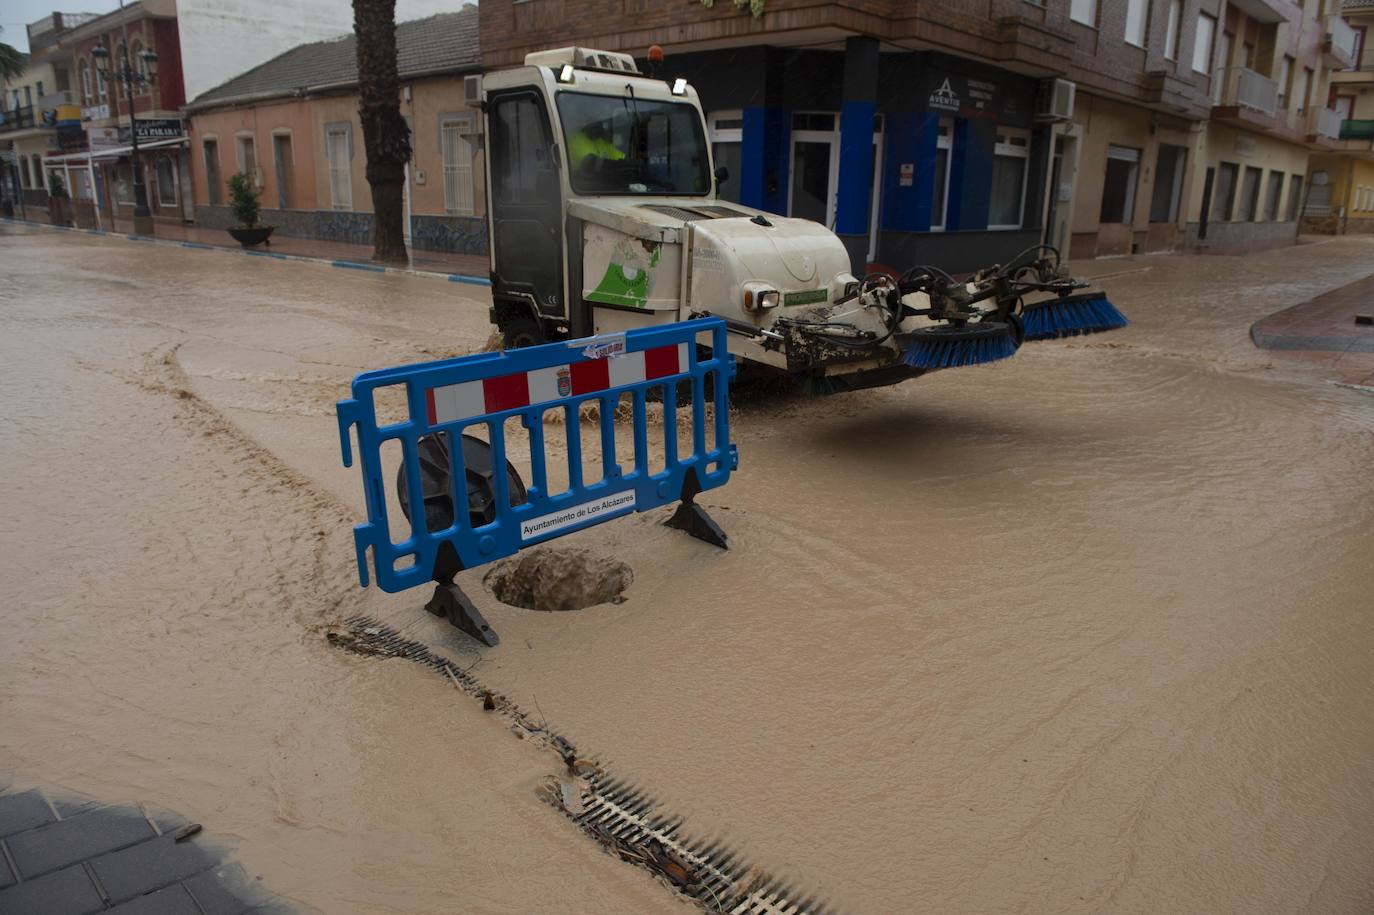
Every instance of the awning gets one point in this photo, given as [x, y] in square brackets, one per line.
[114, 153]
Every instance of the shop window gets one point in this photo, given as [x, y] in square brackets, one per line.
[727, 138]
[1169, 166]
[456, 147]
[245, 156]
[212, 179]
[1118, 187]
[1010, 160]
[1271, 203]
[944, 142]
[1294, 198]
[1224, 192]
[1137, 14]
[166, 182]
[1171, 33]
[1084, 11]
[284, 164]
[1250, 194]
[338, 144]
[1202, 44]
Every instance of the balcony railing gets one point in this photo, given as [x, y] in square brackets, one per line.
[1341, 44]
[16, 118]
[1247, 89]
[53, 99]
[1357, 130]
[1323, 122]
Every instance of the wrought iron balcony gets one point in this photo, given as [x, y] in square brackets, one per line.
[16, 118]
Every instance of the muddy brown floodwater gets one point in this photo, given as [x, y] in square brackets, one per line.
[1086, 630]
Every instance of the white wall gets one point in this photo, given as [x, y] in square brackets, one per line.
[222, 38]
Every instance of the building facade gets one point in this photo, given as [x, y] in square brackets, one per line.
[959, 134]
[292, 124]
[1341, 198]
[102, 168]
[40, 117]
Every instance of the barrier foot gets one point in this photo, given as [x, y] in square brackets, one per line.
[450, 601]
[691, 518]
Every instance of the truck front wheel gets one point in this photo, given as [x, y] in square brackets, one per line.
[518, 331]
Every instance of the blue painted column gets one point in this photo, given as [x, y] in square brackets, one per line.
[912, 138]
[970, 174]
[764, 159]
[854, 190]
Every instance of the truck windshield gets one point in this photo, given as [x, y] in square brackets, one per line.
[621, 145]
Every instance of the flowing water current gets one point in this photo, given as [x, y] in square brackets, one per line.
[1089, 630]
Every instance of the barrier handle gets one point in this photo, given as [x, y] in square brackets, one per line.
[348, 418]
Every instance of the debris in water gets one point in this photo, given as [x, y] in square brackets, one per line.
[557, 578]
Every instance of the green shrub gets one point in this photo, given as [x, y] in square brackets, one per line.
[243, 199]
[56, 186]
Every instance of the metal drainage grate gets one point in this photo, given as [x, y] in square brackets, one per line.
[618, 816]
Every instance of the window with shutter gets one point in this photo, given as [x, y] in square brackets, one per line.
[456, 140]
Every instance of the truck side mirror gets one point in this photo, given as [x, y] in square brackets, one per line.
[722, 174]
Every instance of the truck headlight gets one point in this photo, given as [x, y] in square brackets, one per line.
[770, 299]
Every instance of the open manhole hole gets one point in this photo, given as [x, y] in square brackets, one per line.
[554, 578]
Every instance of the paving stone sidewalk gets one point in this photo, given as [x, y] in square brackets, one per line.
[476, 266]
[70, 855]
[1324, 331]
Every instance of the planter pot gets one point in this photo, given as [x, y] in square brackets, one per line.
[257, 235]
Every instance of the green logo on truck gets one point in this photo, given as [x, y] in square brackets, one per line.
[809, 297]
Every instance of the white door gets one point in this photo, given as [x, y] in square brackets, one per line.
[876, 199]
[814, 167]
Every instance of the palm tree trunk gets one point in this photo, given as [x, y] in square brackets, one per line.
[386, 138]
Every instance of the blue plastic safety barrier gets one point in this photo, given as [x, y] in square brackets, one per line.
[486, 389]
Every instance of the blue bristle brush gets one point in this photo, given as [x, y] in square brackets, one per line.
[946, 346]
[1088, 313]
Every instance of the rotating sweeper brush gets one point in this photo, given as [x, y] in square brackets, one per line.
[1070, 316]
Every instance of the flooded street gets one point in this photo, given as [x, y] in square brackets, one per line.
[1086, 630]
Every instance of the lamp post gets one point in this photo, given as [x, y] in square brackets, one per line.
[122, 72]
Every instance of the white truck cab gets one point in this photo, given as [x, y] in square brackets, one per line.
[604, 216]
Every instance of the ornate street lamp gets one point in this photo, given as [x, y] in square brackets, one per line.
[122, 72]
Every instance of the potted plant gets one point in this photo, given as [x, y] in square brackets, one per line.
[243, 200]
[59, 204]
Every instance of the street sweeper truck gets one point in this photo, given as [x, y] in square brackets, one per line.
[604, 216]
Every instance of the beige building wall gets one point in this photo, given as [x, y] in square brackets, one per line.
[1243, 148]
[326, 112]
[1103, 123]
[224, 126]
[312, 210]
[431, 102]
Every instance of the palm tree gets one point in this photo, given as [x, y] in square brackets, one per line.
[12, 62]
[386, 138]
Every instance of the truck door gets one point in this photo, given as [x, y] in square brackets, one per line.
[526, 204]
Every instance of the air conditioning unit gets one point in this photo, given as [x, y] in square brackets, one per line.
[1055, 100]
[472, 91]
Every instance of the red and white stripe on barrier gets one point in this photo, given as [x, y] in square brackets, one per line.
[509, 392]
